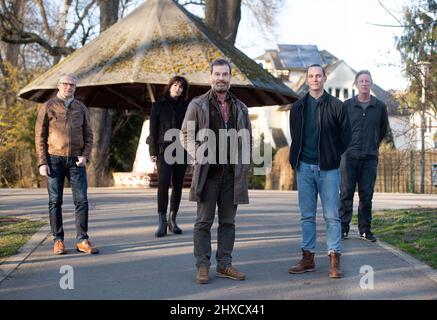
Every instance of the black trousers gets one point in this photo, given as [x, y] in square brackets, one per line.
[167, 173]
[362, 172]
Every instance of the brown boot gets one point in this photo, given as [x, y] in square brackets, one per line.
[202, 275]
[334, 265]
[306, 264]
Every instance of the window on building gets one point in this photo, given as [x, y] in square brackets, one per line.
[346, 93]
[282, 74]
[337, 92]
[330, 91]
[353, 92]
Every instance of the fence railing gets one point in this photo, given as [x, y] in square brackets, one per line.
[398, 171]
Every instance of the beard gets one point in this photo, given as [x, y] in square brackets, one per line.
[220, 87]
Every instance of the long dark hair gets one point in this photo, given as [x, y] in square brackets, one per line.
[184, 83]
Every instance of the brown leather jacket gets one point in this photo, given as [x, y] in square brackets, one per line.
[63, 131]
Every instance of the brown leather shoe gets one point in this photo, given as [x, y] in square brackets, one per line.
[59, 247]
[306, 264]
[334, 265]
[86, 246]
[231, 273]
[202, 275]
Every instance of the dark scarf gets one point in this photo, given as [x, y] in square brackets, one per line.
[178, 107]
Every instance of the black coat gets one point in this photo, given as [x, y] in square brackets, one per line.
[166, 114]
[334, 131]
[369, 127]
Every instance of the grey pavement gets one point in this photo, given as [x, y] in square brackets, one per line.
[133, 264]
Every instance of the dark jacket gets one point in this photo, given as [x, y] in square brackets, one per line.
[369, 127]
[63, 131]
[197, 119]
[334, 131]
[166, 114]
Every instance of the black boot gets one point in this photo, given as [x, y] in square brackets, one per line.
[172, 226]
[162, 225]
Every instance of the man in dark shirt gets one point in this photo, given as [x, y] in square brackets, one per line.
[310, 153]
[320, 133]
[369, 121]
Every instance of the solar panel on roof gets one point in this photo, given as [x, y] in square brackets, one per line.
[299, 56]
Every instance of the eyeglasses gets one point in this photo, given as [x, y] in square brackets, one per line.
[66, 84]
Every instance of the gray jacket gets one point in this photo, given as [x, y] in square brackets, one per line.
[196, 119]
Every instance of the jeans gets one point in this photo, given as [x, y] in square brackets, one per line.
[218, 191]
[363, 173]
[312, 181]
[61, 167]
[166, 173]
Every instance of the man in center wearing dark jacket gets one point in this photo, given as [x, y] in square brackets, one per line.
[220, 173]
[320, 133]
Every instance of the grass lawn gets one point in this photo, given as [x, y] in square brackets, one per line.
[14, 233]
[411, 230]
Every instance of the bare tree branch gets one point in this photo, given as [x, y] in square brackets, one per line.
[123, 5]
[80, 21]
[45, 21]
[401, 26]
[86, 33]
[12, 31]
[121, 122]
[264, 11]
[30, 37]
[389, 12]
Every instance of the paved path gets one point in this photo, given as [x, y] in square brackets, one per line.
[133, 264]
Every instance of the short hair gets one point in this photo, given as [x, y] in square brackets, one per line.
[72, 76]
[221, 62]
[183, 82]
[361, 72]
[318, 66]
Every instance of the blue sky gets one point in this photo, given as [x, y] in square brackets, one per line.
[343, 27]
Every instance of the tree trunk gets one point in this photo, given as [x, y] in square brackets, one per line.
[12, 50]
[224, 17]
[60, 33]
[101, 119]
[108, 13]
[11, 53]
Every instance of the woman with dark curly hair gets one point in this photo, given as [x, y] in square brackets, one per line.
[168, 113]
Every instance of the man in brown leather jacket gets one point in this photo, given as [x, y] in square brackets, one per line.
[64, 139]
